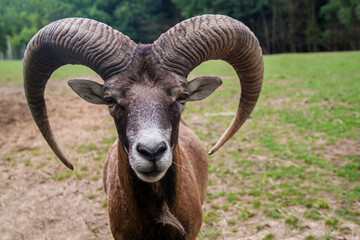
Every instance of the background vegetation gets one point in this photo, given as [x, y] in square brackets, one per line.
[280, 25]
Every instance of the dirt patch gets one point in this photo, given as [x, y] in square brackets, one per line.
[275, 101]
[344, 147]
[33, 203]
[339, 151]
[34, 206]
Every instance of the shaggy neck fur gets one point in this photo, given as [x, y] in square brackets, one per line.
[153, 202]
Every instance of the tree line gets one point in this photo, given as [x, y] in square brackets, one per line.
[280, 25]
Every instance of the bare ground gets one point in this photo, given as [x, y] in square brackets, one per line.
[38, 203]
[33, 203]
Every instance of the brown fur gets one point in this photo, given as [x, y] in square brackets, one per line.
[128, 220]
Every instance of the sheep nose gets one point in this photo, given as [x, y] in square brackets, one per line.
[153, 153]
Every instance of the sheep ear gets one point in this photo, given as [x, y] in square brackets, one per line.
[201, 87]
[90, 91]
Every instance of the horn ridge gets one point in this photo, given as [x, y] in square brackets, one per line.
[70, 41]
[207, 37]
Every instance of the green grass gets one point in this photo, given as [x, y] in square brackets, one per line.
[269, 236]
[11, 71]
[298, 150]
[288, 154]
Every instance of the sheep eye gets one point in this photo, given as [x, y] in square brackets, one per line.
[182, 98]
[109, 101]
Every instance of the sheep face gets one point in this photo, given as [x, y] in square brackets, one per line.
[147, 119]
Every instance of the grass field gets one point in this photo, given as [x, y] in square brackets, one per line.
[295, 163]
[295, 150]
[11, 71]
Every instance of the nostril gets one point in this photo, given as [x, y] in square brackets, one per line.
[161, 149]
[143, 150]
[152, 153]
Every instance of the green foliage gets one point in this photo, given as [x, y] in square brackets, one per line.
[342, 21]
[350, 171]
[332, 223]
[322, 204]
[281, 26]
[210, 217]
[269, 236]
[313, 214]
[62, 175]
[292, 222]
[309, 237]
[284, 26]
[273, 213]
[142, 20]
[20, 40]
[327, 236]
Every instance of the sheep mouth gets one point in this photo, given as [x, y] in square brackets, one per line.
[147, 170]
[150, 176]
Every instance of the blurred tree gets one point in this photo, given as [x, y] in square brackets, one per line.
[3, 33]
[145, 20]
[289, 25]
[342, 24]
[280, 25]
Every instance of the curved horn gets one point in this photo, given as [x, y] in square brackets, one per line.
[70, 41]
[206, 37]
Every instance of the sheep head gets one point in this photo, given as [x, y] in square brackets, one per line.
[145, 85]
[146, 104]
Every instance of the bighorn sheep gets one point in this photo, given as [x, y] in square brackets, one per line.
[155, 175]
